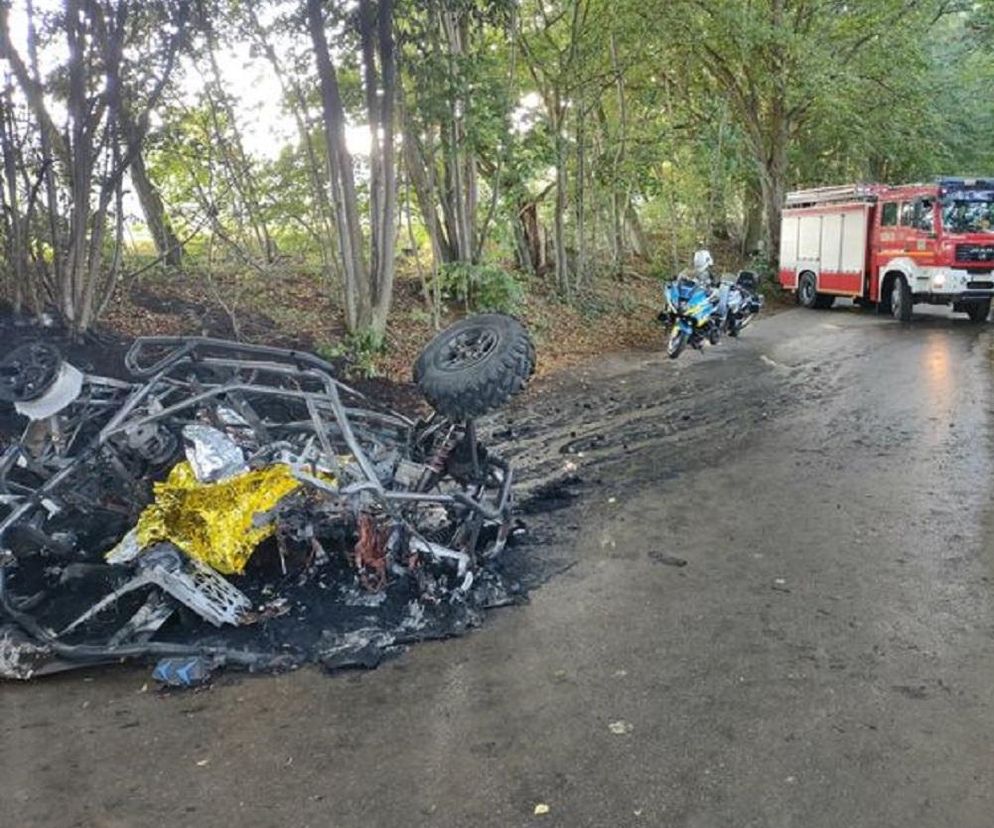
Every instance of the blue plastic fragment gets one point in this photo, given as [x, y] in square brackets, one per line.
[188, 671]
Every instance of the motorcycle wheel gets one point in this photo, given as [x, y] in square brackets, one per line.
[677, 342]
[733, 326]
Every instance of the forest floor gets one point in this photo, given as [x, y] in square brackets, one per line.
[295, 308]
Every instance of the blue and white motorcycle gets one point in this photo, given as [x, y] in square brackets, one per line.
[692, 313]
[699, 307]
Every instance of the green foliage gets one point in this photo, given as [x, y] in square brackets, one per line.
[361, 352]
[621, 133]
[480, 287]
[765, 267]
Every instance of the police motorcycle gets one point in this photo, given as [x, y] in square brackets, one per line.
[740, 301]
[700, 306]
[692, 307]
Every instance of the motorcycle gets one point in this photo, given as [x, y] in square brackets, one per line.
[741, 302]
[692, 313]
[700, 307]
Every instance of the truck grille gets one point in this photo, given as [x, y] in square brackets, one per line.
[979, 285]
[975, 252]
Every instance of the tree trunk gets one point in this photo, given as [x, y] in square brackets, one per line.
[773, 178]
[358, 306]
[581, 174]
[384, 182]
[559, 228]
[14, 235]
[89, 157]
[531, 236]
[522, 251]
[716, 222]
[47, 135]
[316, 171]
[167, 246]
[460, 171]
[619, 200]
[639, 240]
[235, 157]
[420, 174]
[559, 210]
[752, 226]
[773, 185]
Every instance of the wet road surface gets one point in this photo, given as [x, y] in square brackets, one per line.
[824, 658]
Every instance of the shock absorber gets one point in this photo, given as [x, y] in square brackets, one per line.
[441, 454]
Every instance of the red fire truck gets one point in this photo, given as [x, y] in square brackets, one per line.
[892, 246]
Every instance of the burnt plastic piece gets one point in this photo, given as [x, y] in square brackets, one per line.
[28, 371]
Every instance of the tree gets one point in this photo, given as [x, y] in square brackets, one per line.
[167, 245]
[776, 61]
[109, 85]
[552, 40]
[368, 280]
[456, 102]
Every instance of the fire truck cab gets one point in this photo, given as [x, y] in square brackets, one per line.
[892, 246]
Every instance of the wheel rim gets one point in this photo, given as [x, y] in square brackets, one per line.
[29, 372]
[807, 290]
[467, 348]
[896, 300]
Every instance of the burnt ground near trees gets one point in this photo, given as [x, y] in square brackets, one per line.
[329, 613]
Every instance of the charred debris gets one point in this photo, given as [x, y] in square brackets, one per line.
[236, 504]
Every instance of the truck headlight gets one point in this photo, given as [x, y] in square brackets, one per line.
[939, 281]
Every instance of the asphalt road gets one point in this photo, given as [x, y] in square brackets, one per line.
[824, 658]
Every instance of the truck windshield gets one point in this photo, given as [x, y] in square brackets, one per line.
[968, 212]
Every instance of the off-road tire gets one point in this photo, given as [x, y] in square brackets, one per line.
[475, 366]
[900, 300]
[979, 311]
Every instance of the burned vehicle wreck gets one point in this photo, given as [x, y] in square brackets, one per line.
[236, 504]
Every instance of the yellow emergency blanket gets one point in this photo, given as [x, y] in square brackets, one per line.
[213, 522]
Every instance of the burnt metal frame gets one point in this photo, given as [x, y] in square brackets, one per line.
[313, 384]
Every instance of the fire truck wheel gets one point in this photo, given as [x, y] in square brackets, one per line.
[900, 300]
[808, 296]
[979, 311]
[807, 292]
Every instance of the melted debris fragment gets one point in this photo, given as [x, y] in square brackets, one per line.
[238, 505]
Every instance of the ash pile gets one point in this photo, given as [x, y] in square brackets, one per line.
[238, 505]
